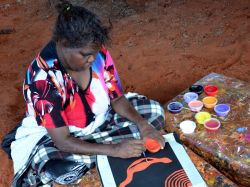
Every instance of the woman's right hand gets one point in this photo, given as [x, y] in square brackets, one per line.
[129, 148]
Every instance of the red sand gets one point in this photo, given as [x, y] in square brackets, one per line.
[160, 47]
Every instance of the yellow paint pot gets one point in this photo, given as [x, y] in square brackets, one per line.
[202, 116]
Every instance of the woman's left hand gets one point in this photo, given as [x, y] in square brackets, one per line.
[147, 131]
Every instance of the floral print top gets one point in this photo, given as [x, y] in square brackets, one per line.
[55, 99]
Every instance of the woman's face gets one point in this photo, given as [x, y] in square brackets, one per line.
[79, 59]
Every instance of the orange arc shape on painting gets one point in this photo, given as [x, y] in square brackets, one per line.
[178, 179]
[140, 165]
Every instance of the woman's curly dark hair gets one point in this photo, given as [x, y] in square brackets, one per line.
[78, 27]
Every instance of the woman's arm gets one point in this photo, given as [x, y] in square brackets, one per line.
[122, 106]
[67, 143]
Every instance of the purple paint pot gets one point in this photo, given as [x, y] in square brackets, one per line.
[175, 107]
[222, 110]
[190, 96]
[196, 89]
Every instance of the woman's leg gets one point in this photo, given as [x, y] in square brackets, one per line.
[64, 171]
[150, 110]
[49, 165]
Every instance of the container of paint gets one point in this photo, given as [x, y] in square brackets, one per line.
[195, 106]
[222, 110]
[212, 124]
[196, 89]
[152, 145]
[174, 107]
[210, 101]
[211, 90]
[202, 116]
[187, 126]
[190, 96]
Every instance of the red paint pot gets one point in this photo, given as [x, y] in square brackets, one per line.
[212, 124]
[211, 90]
[152, 145]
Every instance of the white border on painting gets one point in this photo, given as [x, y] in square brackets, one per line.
[105, 172]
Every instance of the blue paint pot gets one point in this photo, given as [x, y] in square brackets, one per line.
[190, 96]
[175, 107]
[196, 89]
[222, 110]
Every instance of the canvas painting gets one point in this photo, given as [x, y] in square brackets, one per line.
[170, 167]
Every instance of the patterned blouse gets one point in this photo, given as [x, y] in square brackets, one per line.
[55, 99]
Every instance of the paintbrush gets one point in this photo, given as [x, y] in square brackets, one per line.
[144, 154]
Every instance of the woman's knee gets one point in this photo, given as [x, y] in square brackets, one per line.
[157, 118]
[150, 110]
[65, 171]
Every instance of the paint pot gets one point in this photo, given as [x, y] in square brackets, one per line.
[202, 116]
[222, 110]
[175, 107]
[210, 101]
[152, 145]
[196, 89]
[190, 96]
[212, 124]
[211, 90]
[187, 126]
[195, 106]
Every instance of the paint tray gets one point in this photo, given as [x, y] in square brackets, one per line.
[169, 167]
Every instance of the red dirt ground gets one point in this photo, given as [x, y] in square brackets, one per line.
[160, 47]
